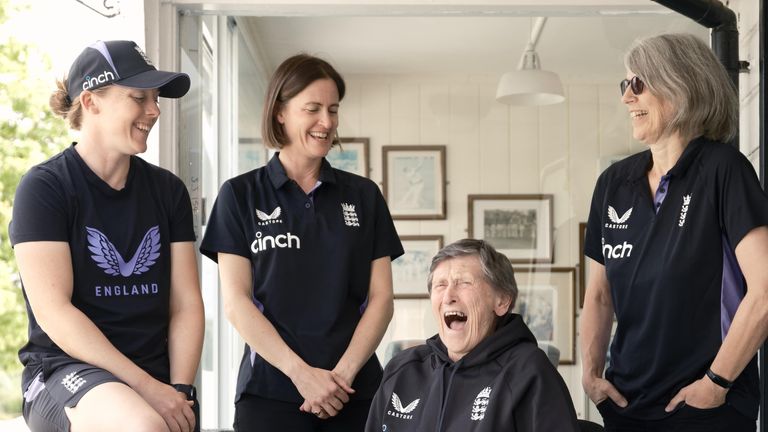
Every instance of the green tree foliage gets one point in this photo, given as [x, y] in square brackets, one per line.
[29, 134]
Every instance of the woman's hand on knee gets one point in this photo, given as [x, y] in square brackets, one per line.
[172, 405]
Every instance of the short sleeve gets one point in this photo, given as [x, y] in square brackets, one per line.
[182, 227]
[743, 204]
[387, 242]
[40, 209]
[593, 236]
[225, 232]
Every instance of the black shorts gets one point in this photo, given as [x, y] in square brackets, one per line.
[44, 401]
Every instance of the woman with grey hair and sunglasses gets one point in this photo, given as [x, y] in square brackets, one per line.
[483, 371]
[677, 241]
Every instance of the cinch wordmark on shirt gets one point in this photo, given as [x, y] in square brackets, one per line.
[279, 241]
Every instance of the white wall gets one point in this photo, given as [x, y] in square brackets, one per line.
[749, 83]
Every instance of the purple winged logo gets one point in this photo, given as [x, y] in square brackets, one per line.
[107, 257]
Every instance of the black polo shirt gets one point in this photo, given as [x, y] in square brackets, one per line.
[672, 269]
[311, 261]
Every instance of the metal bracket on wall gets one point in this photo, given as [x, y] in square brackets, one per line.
[108, 8]
[744, 66]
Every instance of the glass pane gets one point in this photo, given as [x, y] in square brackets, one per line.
[198, 170]
[412, 323]
[251, 153]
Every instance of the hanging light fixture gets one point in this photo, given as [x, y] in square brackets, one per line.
[530, 85]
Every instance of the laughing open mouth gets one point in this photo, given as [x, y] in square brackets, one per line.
[454, 320]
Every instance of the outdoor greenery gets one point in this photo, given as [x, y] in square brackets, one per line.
[29, 133]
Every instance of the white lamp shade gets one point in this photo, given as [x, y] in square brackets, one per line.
[530, 87]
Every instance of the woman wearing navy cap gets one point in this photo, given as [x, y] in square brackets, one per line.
[678, 238]
[105, 247]
[304, 254]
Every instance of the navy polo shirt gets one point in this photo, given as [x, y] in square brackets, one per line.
[672, 270]
[311, 262]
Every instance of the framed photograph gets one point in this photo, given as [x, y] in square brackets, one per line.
[251, 154]
[519, 226]
[350, 156]
[414, 181]
[583, 268]
[410, 271]
[546, 301]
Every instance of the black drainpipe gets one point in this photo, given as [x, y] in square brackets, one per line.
[725, 43]
[725, 33]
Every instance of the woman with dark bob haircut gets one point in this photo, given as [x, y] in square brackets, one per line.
[304, 253]
[678, 241]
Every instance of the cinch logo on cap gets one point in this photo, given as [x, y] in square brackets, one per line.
[101, 78]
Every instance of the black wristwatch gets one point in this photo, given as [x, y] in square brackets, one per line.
[187, 389]
[717, 379]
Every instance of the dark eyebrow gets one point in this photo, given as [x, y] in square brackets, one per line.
[318, 103]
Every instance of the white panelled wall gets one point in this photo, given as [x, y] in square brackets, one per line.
[491, 148]
[749, 83]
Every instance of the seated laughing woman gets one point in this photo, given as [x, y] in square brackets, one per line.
[483, 371]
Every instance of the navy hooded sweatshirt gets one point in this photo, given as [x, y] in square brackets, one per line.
[506, 383]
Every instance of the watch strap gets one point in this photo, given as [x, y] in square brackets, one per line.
[188, 390]
[717, 379]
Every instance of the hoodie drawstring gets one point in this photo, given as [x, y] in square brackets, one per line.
[446, 393]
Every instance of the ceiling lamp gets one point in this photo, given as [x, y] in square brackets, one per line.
[530, 85]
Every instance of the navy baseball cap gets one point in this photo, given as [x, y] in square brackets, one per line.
[124, 63]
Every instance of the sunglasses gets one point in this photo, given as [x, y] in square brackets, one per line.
[636, 84]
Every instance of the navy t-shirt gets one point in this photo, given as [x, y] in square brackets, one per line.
[120, 247]
[673, 274]
[311, 263]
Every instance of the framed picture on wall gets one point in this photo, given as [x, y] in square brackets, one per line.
[583, 267]
[546, 301]
[251, 154]
[519, 226]
[350, 156]
[410, 271]
[414, 181]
